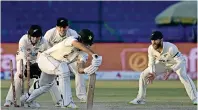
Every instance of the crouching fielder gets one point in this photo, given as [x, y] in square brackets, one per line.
[30, 45]
[55, 60]
[164, 57]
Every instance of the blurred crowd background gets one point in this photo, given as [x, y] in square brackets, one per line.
[111, 21]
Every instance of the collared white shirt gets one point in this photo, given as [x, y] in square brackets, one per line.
[27, 49]
[170, 56]
[53, 37]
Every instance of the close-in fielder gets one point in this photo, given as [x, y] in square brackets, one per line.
[54, 36]
[55, 61]
[30, 45]
[164, 57]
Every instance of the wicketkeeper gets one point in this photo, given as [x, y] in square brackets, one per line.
[30, 45]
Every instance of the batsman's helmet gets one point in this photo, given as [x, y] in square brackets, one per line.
[35, 31]
[86, 37]
[156, 35]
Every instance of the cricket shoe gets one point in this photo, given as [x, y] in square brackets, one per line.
[195, 102]
[24, 97]
[33, 104]
[137, 101]
[71, 105]
[8, 103]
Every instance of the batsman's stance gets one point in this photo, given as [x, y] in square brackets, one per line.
[54, 36]
[164, 57]
[30, 45]
[55, 60]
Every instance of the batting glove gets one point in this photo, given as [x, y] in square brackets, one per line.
[97, 60]
[90, 70]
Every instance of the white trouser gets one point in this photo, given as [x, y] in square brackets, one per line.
[160, 69]
[55, 93]
[79, 83]
[50, 68]
[45, 82]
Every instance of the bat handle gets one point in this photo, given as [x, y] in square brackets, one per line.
[96, 56]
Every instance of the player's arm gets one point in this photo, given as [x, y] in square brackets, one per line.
[81, 67]
[82, 59]
[96, 61]
[22, 52]
[43, 47]
[151, 60]
[90, 69]
[177, 56]
[151, 66]
[82, 47]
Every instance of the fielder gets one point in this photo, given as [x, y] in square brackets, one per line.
[55, 61]
[30, 45]
[164, 57]
[54, 36]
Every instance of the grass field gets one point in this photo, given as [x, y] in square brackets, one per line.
[115, 95]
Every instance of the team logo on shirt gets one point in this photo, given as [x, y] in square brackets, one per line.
[155, 56]
[165, 55]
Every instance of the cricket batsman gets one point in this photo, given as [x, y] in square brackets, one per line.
[55, 61]
[54, 36]
[30, 45]
[164, 57]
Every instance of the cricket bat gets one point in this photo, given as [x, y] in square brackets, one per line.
[91, 88]
[90, 91]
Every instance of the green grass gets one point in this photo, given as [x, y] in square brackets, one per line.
[115, 95]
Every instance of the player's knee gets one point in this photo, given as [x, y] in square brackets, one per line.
[64, 75]
[181, 72]
[143, 74]
[46, 87]
[183, 77]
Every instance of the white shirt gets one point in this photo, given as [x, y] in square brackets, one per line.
[170, 56]
[53, 37]
[27, 49]
[65, 51]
